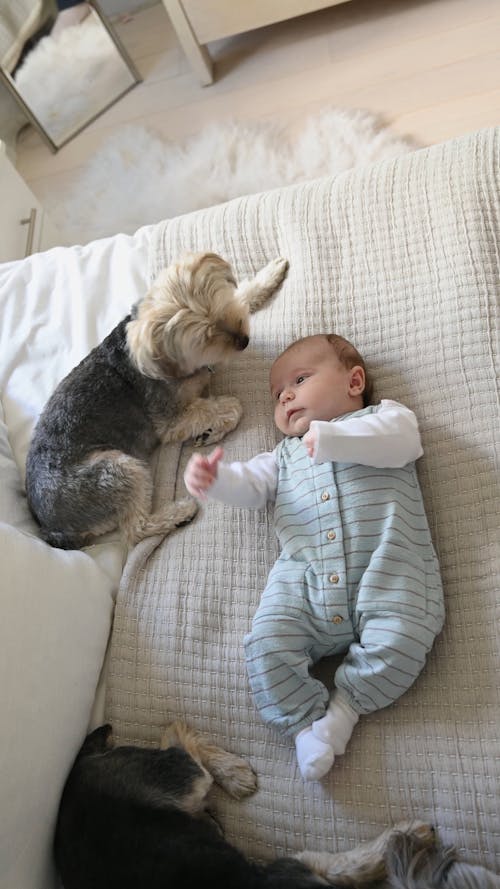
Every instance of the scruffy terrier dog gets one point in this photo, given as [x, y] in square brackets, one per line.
[87, 467]
[132, 817]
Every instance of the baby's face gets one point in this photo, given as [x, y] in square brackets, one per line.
[309, 383]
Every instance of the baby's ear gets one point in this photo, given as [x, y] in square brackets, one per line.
[357, 380]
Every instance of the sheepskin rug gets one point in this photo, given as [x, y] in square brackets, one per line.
[138, 177]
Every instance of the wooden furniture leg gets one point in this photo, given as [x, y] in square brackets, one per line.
[197, 54]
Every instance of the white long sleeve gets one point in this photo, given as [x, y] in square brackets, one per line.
[388, 437]
[249, 484]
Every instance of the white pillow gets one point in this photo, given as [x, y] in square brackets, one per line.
[56, 617]
[56, 606]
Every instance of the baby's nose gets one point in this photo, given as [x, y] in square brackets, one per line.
[286, 395]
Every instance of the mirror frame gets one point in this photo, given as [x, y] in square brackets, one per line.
[10, 85]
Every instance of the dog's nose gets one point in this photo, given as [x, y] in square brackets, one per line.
[241, 341]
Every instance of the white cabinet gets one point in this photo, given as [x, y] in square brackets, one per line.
[24, 226]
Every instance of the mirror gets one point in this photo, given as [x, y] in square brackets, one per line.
[63, 80]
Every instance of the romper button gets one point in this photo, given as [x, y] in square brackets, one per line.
[331, 535]
[337, 619]
[325, 495]
[334, 578]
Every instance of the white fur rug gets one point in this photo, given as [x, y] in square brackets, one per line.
[138, 177]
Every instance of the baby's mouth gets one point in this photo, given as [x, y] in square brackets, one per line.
[295, 410]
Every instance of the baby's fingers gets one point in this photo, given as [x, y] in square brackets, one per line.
[200, 476]
[214, 458]
[309, 442]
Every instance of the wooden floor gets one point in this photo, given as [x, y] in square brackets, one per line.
[430, 67]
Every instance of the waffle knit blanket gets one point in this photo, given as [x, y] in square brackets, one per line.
[402, 258]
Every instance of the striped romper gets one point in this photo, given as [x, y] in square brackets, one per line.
[357, 575]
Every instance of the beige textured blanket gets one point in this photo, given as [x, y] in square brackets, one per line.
[403, 259]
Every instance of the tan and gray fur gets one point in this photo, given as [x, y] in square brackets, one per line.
[87, 470]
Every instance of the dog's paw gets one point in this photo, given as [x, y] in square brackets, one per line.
[272, 275]
[227, 413]
[254, 293]
[236, 776]
[203, 439]
[185, 511]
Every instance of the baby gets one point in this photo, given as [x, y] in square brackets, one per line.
[357, 572]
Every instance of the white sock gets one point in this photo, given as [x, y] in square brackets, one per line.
[314, 756]
[336, 726]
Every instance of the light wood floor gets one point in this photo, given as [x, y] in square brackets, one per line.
[430, 67]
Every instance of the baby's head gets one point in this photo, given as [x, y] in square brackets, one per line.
[317, 378]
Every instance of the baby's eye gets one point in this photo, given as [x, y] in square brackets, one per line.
[300, 380]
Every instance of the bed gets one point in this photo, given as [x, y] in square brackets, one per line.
[403, 258]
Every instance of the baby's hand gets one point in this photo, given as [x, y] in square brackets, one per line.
[310, 441]
[201, 472]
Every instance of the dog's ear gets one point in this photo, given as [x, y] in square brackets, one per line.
[201, 266]
[145, 341]
[100, 740]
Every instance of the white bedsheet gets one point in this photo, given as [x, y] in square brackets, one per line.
[55, 307]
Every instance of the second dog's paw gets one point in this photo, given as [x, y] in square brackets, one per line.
[185, 511]
[236, 776]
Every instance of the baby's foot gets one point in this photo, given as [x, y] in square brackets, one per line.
[336, 726]
[314, 756]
